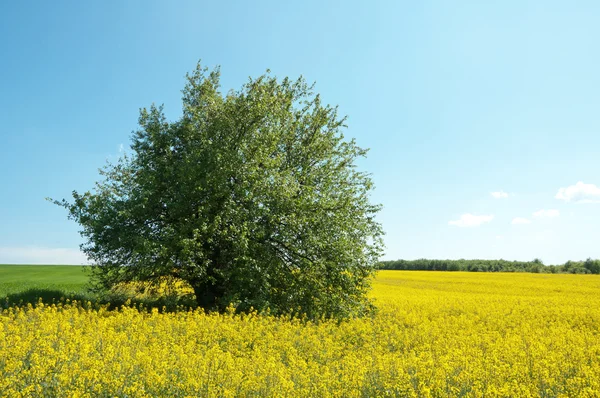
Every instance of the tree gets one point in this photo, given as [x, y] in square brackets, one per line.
[252, 197]
[593, 266]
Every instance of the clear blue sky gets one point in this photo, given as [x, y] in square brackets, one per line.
[456, 100]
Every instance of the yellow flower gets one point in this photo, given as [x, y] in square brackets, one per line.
[436, 334]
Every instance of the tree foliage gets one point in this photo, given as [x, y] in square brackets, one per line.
[588, 266]
[252, 197]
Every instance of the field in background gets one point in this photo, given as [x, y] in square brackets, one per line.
[23, 284]
[436, 334]
[29, 282]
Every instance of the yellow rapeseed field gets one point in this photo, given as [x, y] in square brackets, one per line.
[436, 335]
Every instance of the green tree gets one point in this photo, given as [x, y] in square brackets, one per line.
[592, 265]
[252, 197]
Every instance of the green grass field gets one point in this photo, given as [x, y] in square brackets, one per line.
[22, 284]
[28, 283]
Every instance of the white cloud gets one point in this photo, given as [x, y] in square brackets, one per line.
[471, 220]
[41, 255]
[520, 220]
[547, 213]
[499, 194]
[579, 193]
[121, 148]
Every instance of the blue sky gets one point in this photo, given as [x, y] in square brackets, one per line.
[457, 100]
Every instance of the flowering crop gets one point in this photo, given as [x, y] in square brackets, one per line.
[436, 334]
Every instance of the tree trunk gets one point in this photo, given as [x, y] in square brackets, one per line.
[210, 291]
[205, 296]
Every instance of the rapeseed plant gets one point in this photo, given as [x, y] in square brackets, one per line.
[435, 335]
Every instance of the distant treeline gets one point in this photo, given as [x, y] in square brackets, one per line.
[588, 266]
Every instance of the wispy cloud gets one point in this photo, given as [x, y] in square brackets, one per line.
[121, 148]
[520, 220]
[471, 220]
[549, 213]
[579, 193]
[499, 194]
[41, 255]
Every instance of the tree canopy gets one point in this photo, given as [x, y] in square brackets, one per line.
[253, 197]
[589, 266]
